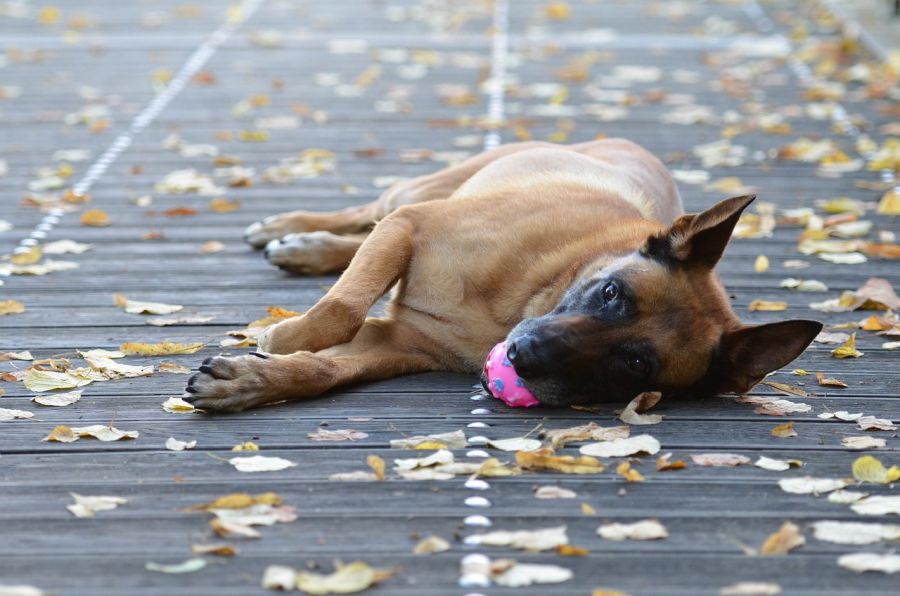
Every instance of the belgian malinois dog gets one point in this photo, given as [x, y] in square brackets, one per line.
[579, 256]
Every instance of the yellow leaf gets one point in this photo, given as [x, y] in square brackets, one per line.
[869, 469]
[348, 579]
[222, 205]
[492, 468]
[95, 218]
[47, 380]
[557, 11]
[61, 434]
[784, 431]
[48, 15]
[625, 470]
[29, 257]
[211, 246]
[544, 459]
[663, 464]
[847, 349]
[253, 136]
[377, 465]
[165, 348]
[567, 550]
[246, 446]
[238, 501]
[276, 314]
[11, 307]
[586, 509]
[767, 305]
[761, 264]
[786, 539]
[889, 203]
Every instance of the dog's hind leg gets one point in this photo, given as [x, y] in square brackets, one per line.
[381, 349]
[361, 218]
[380, 262]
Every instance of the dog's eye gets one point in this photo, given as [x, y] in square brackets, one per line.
[638, 365]
[610, 292]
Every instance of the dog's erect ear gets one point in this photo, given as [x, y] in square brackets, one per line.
[699, 239]
[752, 352]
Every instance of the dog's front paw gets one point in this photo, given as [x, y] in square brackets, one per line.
[231, 384]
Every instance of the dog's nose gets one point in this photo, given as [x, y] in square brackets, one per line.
[525, 356]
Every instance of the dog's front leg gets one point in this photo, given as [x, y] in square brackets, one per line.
[382, 349]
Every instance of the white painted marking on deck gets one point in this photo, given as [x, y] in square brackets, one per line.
[497, 82]
[188, 70]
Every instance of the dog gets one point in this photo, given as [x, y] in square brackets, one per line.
[579, 256]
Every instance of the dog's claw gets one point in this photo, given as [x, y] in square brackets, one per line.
[193, 379]
[207, 360]
[259, 355]
[189, 398]
[191, 389]
[205, 368]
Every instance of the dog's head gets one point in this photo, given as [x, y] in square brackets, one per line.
[657, 319]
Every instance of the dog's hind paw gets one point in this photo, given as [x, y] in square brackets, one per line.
[311, 253]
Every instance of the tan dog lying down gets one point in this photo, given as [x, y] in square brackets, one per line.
[578, 255]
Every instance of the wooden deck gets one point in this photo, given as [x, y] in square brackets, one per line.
[406, 76]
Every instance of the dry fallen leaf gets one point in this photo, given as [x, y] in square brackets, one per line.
[188, 566]
[219, 550]
[877, 505]
[561, 436]
[173, 444]
[772, 406]
[847, 349]
[829, 382]
[783, 431]
[238, 501]
[11, 307]
[515, 444]
[94, 218]
[751, 589]
[165, 348]
[622, 447]
[807, 485]
[58, 399]
[176, 405]
[347, 579]
[449, 440]
[545, 459]
[720, 459]
[761, 264]
[24, 355]
[346, 434]
[625, 470]
[259, 463]
[85, 506]
[776, 465]
[431, 544]
[511, 574]
[182, 320]
[48, 380]
[873, 423]
[144, 308]
[870, 469]
[663, 464]
[279, 577]
[648, 529]
[786, 539]
[554, 492]
[767, 306]
[632, 414]
[530, 540]
[788, 389]
[862, 562]
[854, 532]
[863, 442]
[7, 414]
